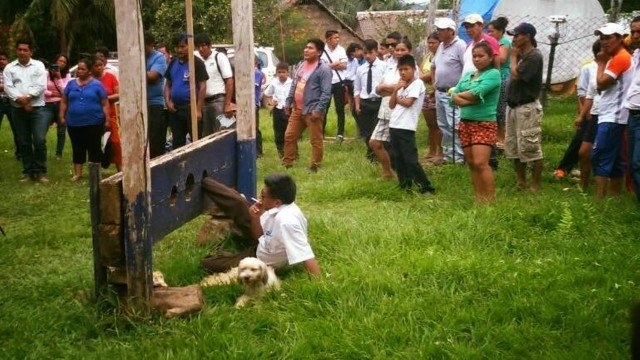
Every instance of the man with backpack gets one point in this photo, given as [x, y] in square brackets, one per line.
[220, 86]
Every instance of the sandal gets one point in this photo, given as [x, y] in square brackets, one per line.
[75, 178]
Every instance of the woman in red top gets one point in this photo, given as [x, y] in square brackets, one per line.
[111, 84]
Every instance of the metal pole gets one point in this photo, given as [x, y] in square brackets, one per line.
[552, 53]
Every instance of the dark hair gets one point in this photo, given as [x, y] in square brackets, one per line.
[88, 60]
[149, 39]
[319, 44]
[596, 47]
[370, 44]
[64, 71]
[282, 66]
[487, 48]
[352, 48]
[635, 19]
[179, 38]
[405, 40]
[329, 33]
[407, 60]
[24, 42]
[4, 53]
[500, 23]
[434, 35]
[102, 50]
[202, 38]
[281, 186]
[394, 35]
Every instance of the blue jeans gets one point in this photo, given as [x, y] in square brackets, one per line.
[448, 117]
[6, 109]
[31, 129]
[633, 133]
[61, 130]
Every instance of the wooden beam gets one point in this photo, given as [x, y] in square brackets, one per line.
[192, 72]
[136, 178]
[242, 20]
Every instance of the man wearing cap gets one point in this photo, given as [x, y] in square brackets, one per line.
[474, 25]
[220, 86]
[632, 104]
[447, 69]
[613, 76]
[523, 133]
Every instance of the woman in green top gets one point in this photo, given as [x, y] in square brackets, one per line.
[497, 29]
[477, 95]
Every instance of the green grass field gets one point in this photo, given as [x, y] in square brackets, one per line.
[546, 276]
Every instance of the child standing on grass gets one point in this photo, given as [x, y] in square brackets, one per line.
[276, 94]
[406, 103]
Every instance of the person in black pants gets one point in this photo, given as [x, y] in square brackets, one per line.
[336, 57]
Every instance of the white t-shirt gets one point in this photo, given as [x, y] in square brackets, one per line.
[407, 117]
[632, 99]
[215, 84]
[610, 108]
[285, 240]
[390, 77]
[279, 91]
[592, 86]
[337, 54]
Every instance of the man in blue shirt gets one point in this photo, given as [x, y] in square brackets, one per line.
[156, 66]
[177, 93]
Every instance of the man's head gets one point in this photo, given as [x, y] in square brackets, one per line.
[203, 44]
[332, 37]
[611, 37]
[313, 50]
[473, 24]
[162, 47]
[102, 53]
[354, 50]
[24, 50]
[4, 59]
[282, 71]
[370, 50]
[446, 29]
[149, 42]
[392, 40]
[180, 43]
[523, 35]
[279, 188]
[635, 33]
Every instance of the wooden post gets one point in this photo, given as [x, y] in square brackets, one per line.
[242, 20]
[136, 175]
[192, 72]
[99, 271]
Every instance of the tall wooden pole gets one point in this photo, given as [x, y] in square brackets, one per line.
[242, 20]
[192, 72]
[136, 174]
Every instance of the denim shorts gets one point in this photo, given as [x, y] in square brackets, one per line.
[606, 155]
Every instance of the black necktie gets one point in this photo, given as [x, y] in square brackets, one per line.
[370, 80]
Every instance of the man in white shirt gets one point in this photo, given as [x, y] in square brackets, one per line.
[336, 57]
[367, 101]
[276, 94]
[274, 228]
[220, 86]
[25, 80]
[632, 104]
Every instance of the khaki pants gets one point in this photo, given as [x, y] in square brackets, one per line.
[296, 125]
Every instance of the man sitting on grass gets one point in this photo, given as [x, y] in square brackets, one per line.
[274, 228]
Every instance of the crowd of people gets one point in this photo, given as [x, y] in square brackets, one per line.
[476, 98]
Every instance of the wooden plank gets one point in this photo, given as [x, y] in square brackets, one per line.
[136, 176]
[242, 20]
[192, 71]
[99, 270]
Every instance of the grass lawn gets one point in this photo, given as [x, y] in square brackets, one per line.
[546, 276]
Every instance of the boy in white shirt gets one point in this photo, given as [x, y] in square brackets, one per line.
[276, 93]
[406, 102]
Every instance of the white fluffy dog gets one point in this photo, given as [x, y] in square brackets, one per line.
[257, 278]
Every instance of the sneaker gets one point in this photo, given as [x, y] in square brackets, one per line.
[559, 174]
[25, 178]
[313, 169]
[339, 139]
[42, 179]
[575, 173]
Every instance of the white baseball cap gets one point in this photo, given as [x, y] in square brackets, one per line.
[610, 29]
[473, 19]
[445, 23]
